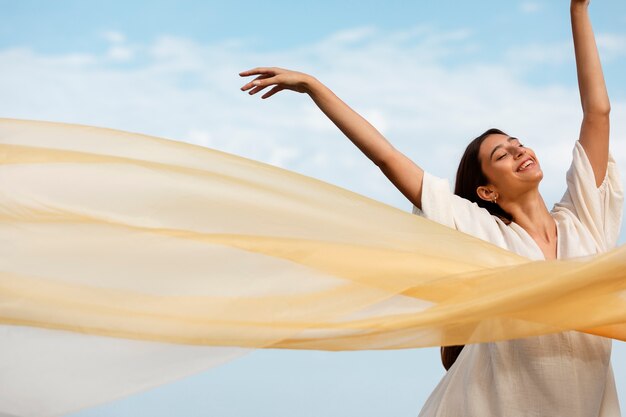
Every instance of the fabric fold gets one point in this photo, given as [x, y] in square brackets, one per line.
[119, 245]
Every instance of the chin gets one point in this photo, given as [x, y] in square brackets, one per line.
[533, 182]
[537, 179]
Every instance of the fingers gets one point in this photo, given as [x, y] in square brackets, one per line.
[252, 83]
[253, 71]
[266, 76]
[257, 89]
[273, 91]
[258, 84]
[258, 70]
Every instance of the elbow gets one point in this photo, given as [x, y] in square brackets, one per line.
[598, 110]
[384, 159]
[597, 116]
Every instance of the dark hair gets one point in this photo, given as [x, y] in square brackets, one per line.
[449, 355]
[470, 176]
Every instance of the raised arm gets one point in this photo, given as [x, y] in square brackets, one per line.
[594, 132]
[400, 170]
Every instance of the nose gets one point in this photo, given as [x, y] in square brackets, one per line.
[519, 151]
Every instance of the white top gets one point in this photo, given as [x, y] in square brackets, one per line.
[564, 374]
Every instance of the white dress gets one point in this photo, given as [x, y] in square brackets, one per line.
[565, 374]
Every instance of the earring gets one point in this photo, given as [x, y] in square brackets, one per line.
[495, 200]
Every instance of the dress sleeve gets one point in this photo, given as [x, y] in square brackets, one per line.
[599, 209]
[442, 206]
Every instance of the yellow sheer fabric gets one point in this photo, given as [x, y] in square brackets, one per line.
[129, 261]
[117, 234]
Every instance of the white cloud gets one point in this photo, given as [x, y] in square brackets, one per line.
[118, 49]
[353, 35]
[199, 137]
[189, 91]
[114, 36]
[530, 7]
[533, 55]
[120, 53]
[611, 45]
[282, 157]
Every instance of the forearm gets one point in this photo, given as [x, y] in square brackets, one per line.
[400, 170]
[365, 136]
[593, 93]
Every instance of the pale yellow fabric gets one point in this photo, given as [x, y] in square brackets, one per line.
[566, 373]
[113, 236]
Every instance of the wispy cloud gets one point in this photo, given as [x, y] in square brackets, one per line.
[536, 55]
[530, 7]
[119, 50]
[113, 36]
[611, 45]
[120, 53]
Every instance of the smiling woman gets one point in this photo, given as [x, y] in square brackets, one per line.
[129, 261]
[497, 199]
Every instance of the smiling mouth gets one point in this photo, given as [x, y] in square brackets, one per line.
[529, 163]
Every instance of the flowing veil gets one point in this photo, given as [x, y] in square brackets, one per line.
[129, 261]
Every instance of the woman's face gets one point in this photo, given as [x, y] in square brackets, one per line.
[511, 168]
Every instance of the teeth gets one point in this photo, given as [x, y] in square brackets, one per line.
[525, 165]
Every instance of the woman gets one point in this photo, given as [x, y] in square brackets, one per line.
[497, 199]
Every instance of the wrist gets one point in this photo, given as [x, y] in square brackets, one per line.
[577, 6]
[311, 84]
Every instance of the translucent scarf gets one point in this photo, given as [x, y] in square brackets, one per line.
[128, 261]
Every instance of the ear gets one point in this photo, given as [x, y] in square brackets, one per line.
[486, 193]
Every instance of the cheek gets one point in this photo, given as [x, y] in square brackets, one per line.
[500, 175]
[492, 173]
[487, 171]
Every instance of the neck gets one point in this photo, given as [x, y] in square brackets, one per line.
[529, 211]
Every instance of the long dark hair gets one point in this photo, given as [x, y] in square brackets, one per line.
[470, 176]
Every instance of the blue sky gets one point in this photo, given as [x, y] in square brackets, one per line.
[430, 75]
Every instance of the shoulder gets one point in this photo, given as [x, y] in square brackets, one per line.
[594, 211]
[439, 204]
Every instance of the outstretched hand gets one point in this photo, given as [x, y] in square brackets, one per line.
[280, 78]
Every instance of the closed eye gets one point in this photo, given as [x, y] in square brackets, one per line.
[510, 139]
